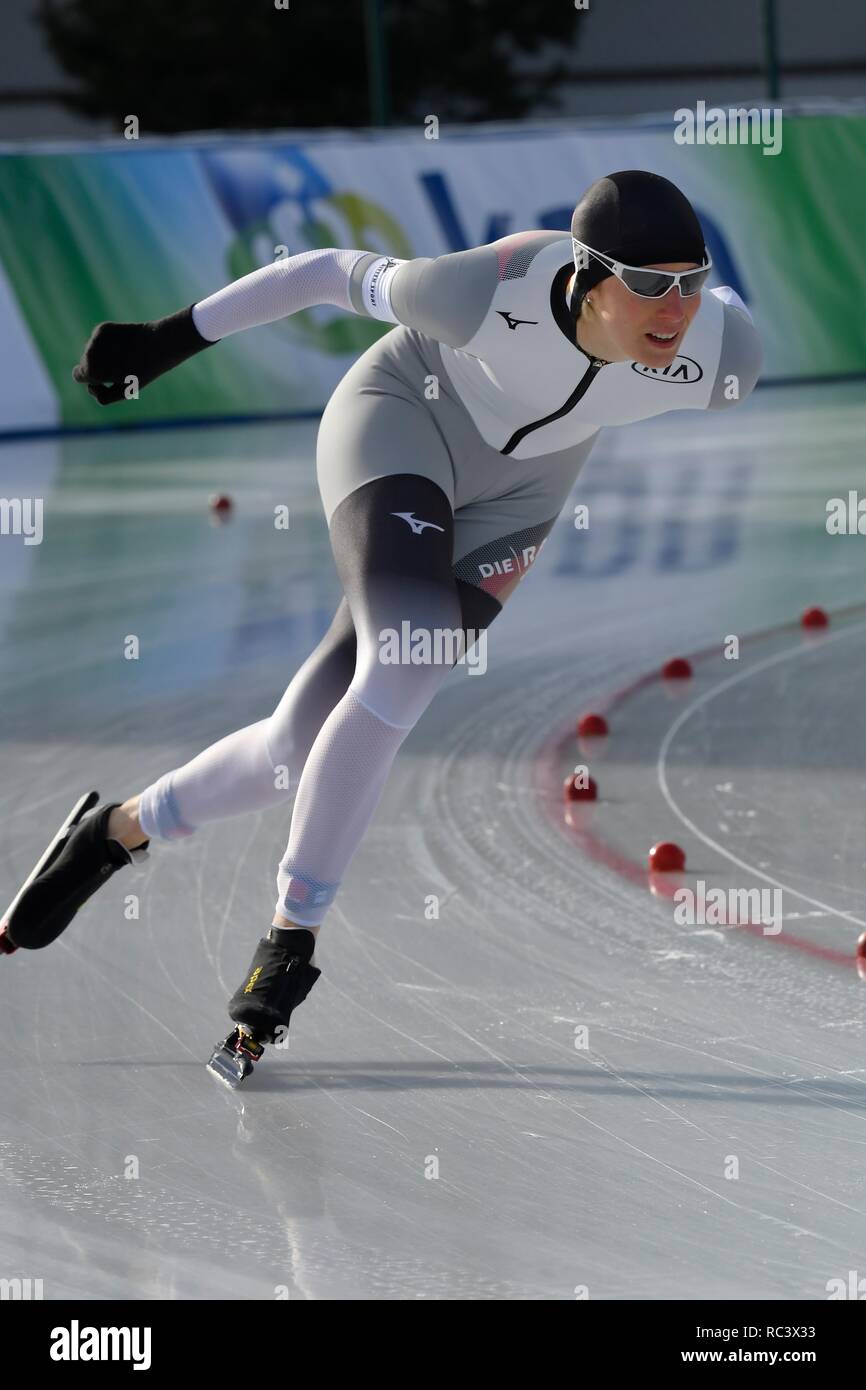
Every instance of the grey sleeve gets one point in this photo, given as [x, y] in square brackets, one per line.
[446, 297]
[740, 358]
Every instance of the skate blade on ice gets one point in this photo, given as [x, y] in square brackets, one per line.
[232, 1062]
[228, 1067]
[84, 804]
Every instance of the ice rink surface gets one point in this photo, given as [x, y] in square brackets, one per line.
[553, 1088]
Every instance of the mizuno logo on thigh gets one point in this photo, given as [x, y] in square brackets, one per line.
[416, 524]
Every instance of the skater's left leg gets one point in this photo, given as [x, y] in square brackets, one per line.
[241, 772]
[124, 826]
[79, 860]
[255, 767]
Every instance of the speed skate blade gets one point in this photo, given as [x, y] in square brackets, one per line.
[229, 1066]
[81, 807]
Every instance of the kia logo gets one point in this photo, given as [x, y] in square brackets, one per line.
[682, 369]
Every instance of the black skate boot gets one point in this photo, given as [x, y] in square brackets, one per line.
[78, 861]
[278, 979]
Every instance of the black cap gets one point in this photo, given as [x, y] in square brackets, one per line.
[635, 217]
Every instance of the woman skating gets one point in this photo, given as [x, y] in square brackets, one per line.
[444, 457]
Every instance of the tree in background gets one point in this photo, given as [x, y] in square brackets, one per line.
[182, 65]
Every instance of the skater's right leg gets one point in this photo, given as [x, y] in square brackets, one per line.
[399, 580]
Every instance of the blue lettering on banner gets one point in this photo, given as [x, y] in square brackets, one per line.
[638, 537]
[445, 212]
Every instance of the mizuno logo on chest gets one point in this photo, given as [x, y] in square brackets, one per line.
[513, 322]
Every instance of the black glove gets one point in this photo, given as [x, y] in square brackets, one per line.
[116, 351]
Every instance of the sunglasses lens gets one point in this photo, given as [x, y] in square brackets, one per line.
[691, 283]
[651, 284]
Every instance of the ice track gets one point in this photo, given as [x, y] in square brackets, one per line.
[433, 1132]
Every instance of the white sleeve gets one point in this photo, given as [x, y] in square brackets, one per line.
[729, 296]
[290, 284]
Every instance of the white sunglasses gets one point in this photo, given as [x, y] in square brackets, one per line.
[648, 284]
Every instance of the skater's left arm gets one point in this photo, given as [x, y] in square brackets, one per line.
[741, 354]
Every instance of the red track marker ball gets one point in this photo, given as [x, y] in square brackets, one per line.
[861, 947]
[677, 669]
[666, 858]
[591, 725]
[814, 617]
[219, 502]
[575, 790]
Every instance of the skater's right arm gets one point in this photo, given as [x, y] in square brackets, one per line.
[118, 354]
[446, 297]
